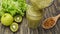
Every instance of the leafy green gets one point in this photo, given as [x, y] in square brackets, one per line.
[13, 7]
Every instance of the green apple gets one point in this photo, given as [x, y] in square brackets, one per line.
[6, 19]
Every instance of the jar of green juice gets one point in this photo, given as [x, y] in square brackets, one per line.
[33, 17]
[41, 4]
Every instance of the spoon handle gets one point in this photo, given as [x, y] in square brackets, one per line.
[58, 16]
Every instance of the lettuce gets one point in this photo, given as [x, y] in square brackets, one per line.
[13, 7]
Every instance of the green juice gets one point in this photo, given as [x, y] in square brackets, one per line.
[41, 4]
[33, 17]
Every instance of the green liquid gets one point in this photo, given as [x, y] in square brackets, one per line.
[33, 17]
[40, 4]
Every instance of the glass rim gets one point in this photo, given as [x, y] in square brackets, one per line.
[34, 15]
[50, 4]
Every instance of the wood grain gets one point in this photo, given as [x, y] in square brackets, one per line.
[52, 10]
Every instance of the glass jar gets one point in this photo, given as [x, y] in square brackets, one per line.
[41, 4]
[33, 17]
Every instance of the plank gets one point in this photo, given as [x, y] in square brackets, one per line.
[50, 11]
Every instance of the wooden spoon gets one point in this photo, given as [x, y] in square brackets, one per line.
[51, 23]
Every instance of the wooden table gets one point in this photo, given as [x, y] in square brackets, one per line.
[53, 10]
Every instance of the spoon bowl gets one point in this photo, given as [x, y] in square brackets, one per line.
[50, 22]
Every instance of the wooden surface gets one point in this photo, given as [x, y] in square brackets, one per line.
[53, 10]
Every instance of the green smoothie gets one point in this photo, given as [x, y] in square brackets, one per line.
[33, 17]
[40, 4]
